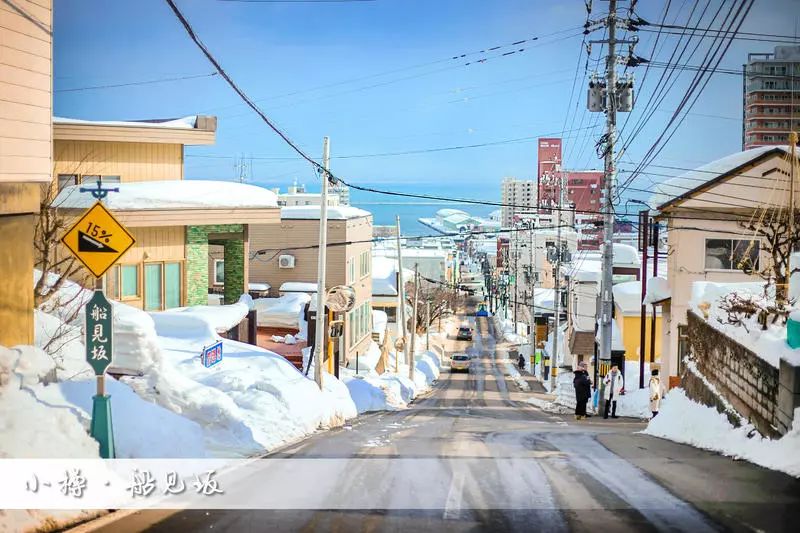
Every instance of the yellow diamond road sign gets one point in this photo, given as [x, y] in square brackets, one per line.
[98, 239]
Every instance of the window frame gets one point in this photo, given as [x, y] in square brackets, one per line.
[733, 248]
[216, 263]
[163, 265]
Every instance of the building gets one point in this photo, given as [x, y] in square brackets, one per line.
[548, 171]
[517, 197]
[384, 286]
[174, 221]
[289, 253]
[701, 210]
[771, 108]
[291, 199]
[25, 155]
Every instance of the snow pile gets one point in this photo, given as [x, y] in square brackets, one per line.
[685, 421]
[220, 318]
[367, 362]
[371, 393]
[657, 290]
[28, 426]
[513, 373]
[379, 322]
[251, 401]
[282, 312]
[770, 344]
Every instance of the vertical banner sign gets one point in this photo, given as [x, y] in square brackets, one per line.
[212, 355]
[99, 333]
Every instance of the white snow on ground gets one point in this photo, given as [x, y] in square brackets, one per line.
[282, 312]
[513, 373]
[683, 420]
[390, 390]
[770, 344]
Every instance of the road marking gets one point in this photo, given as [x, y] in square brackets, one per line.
[455, 497]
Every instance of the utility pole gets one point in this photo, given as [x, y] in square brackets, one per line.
[319, 341]
[534, 273]
[557, 274]
[401, 293]
[428, 326]
[515, 252]
[644, 221]
[414, 324]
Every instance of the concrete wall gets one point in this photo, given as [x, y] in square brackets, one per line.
[748, 382]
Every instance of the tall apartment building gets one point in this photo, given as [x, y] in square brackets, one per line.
[548, 171]
[517, 197]
[771, 101]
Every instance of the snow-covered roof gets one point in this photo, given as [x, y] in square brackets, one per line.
[443, 213]
[172, 194]
[628, 297]
[312, 212]
[672, 188]
[181, 123]
[457, 218]
[298, 286]
[384, 276]
[625, 255]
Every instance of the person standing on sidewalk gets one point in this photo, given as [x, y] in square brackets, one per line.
[613, 387]
[583, 391]
[656, 392]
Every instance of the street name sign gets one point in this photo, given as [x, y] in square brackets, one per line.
[99, 333]
[98, 239]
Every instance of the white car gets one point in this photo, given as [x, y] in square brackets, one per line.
[459, 362]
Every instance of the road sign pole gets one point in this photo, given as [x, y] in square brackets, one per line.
[99, 353]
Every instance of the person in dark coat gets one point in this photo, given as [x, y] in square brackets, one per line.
[583, 391]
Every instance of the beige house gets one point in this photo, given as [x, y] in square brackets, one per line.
[701, 211]
[289, 253]
[173, 221]
[26, 103]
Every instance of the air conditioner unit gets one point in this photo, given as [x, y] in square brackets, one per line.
[286, 261]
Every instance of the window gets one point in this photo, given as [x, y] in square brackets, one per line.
[731, 254]
[219, 271]
[65, 180]
[364, 263]
[162, 286]
[153, 300]
[360, 320]
[129, 283]
[122, 282]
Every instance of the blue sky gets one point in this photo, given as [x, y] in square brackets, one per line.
[299, 61]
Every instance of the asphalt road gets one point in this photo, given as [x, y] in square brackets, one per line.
[509, 466]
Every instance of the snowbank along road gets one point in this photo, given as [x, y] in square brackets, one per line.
[473, 455]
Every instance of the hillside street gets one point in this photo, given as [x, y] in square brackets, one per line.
[553, 473]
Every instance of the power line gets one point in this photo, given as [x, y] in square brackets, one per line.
[135, 83]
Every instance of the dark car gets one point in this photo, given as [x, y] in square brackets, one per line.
[464, 334]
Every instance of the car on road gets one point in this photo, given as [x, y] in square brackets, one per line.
[482, 311]
[464, 334]
[459, 362]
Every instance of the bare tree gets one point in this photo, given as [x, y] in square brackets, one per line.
[442, 298]
[56, 266]
[772, 231]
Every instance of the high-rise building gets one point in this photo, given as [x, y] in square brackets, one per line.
[548, 173]
[771, 105]
[517, 197]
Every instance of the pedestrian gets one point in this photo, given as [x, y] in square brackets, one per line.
[583, 391]
[656, 392]
[613, 387]
[521, 362]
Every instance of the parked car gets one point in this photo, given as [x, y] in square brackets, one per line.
[464, 334]
[459, 362]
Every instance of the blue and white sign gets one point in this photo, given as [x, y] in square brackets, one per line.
[212, 355]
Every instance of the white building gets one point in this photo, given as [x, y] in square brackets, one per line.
[292, 199]
[521, 194]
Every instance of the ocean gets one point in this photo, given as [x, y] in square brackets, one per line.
[385, 208]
